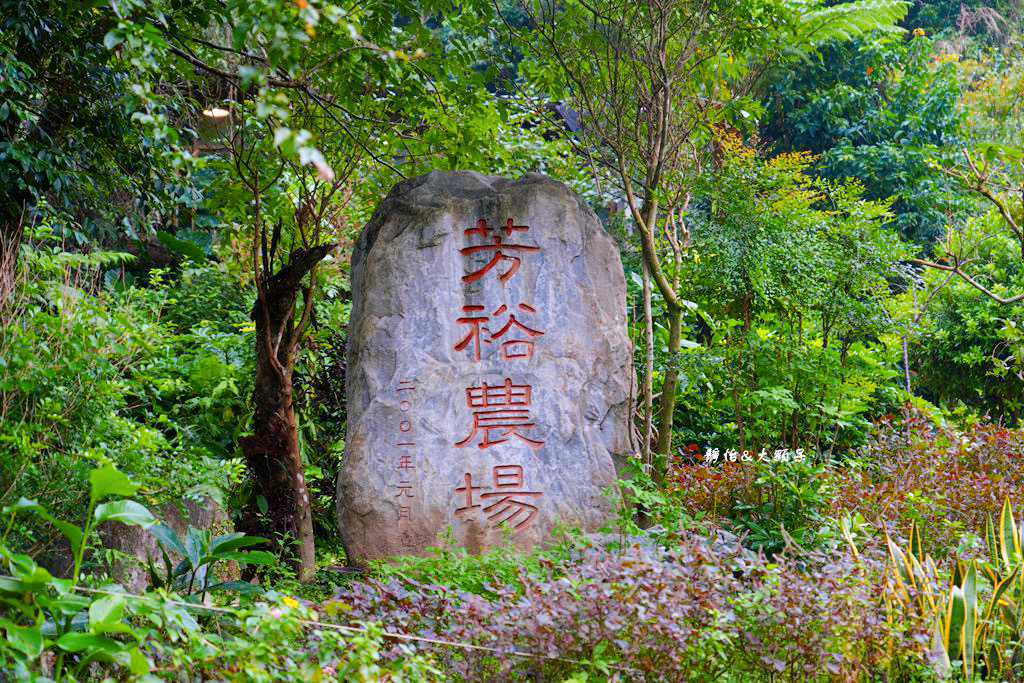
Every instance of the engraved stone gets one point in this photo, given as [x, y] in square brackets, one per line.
[489, 368]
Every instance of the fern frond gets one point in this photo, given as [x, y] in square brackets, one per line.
[850, 20]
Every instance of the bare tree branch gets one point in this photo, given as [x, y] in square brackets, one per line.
[955, 269]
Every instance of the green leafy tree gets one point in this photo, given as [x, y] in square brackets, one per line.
[989, 168]
[793, 275]
[878, 109]
[345, 96]
[68, 132]
[969, 335]
[651, 81]
[990, 19]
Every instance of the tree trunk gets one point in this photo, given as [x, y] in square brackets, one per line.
[648, 388]
[273, 456]
[667, 402]
[272, 452]
[644, 517]
[906, 365]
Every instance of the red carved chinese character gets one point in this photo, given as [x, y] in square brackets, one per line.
[404, 512]
[513, 348]
[491, 415]
[498, 247]
[469, 489]
[405, 463]
[506, 508]
[527, 350]
[507, 394]
[404, 490]
[484, 230]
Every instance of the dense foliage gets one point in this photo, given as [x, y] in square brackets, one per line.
[971, 337]
[688, 613]
[792, 276]
[880, 110]
[819, 210]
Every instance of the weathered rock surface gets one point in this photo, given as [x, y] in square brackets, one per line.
[489, 372]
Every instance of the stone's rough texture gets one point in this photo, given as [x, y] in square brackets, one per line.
[463, 280]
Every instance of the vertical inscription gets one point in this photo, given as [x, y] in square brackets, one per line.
[405, 459]
[500, 414]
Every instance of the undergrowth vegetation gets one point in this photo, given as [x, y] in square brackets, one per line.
[841, 570]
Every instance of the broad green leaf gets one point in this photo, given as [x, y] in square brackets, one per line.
[196, 544]
[953, 626]
[998, 591]
[125, 512]
[168, 539]
[958, 573]
[69, 604]
[70, 531]
[1004, 585]
[183, 567]
[182, 617]
[26, 639]
[25, 568]
[11, 585]
[22, 504]
[971, 619]
[250, 557]
[107, 610]
[107, 481]
[234, 541]
[1009, 539]
[112, 39]
[243, 587]
[990, 574]
[138, 664]
[77, 642]
[183, 247]
[938, 651]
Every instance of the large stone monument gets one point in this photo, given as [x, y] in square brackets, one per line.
[489, 368]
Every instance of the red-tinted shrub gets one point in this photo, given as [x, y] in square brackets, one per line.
[646, 616]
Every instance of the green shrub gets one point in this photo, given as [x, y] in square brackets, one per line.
[791, 279]
[689, 614]
[946, 481]
[92, 375]
[66, 631]
[970, 337]
[879, 110]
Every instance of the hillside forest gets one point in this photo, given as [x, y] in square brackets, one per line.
[819, 209]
